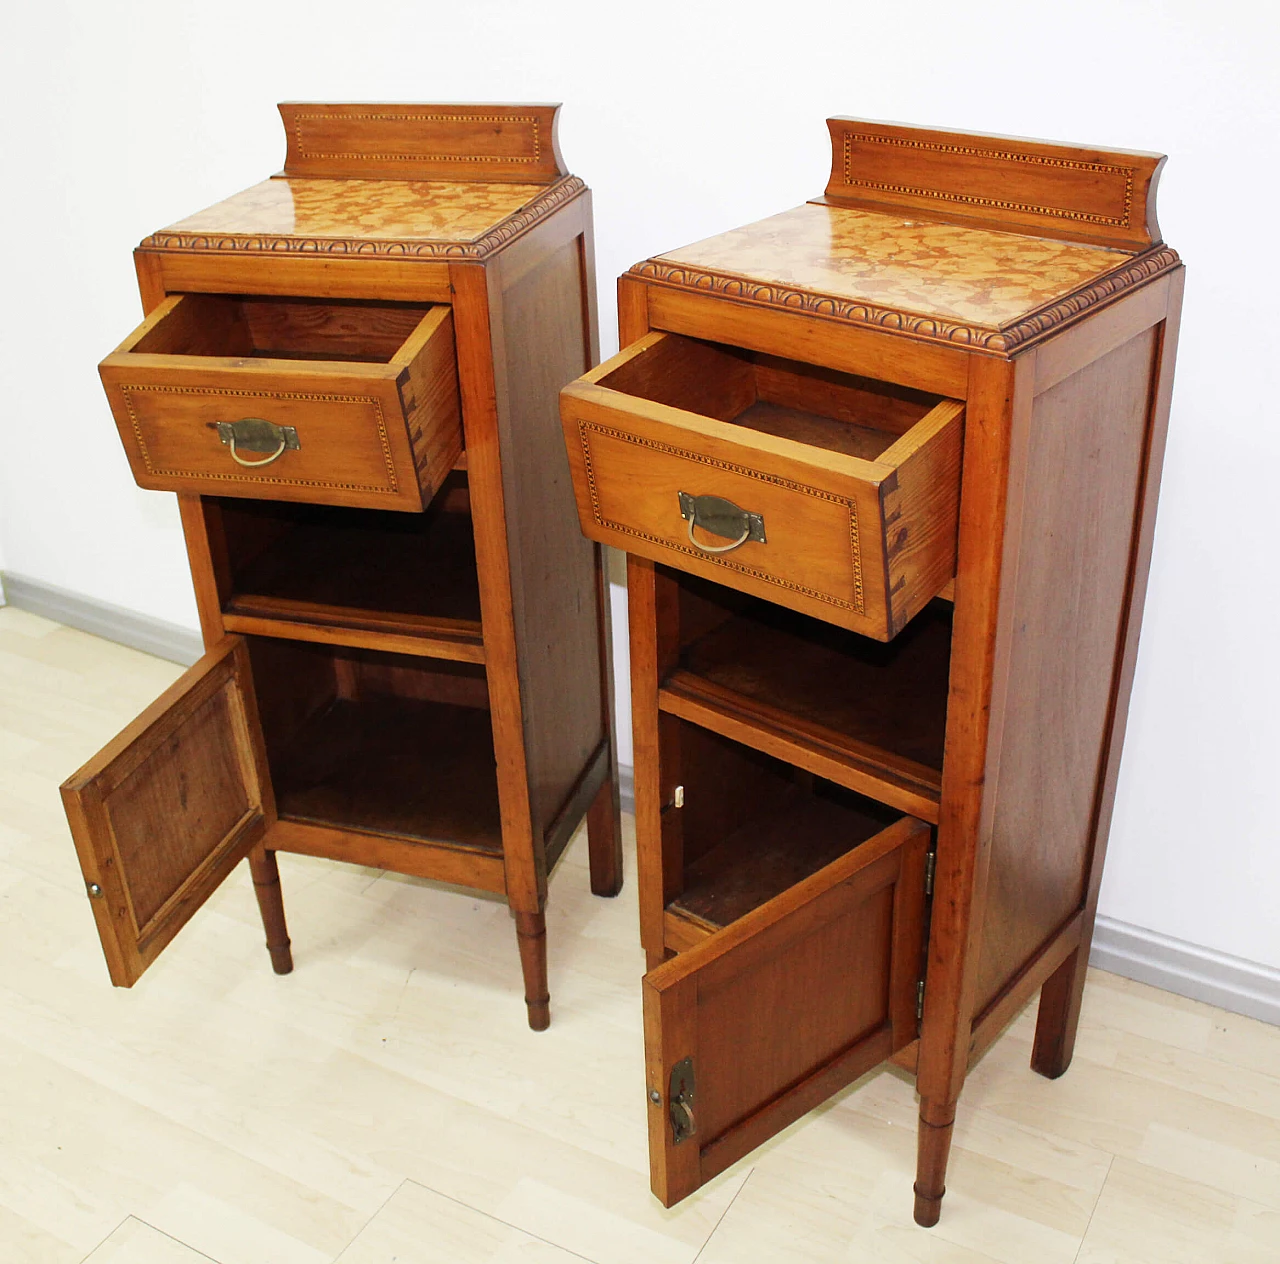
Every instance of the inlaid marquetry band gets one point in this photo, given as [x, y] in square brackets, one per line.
[515, 225]
[927, 328]
[380, 116]
[393, 489]
[858, 603]
[1126, 174]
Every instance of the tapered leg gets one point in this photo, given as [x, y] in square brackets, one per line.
[531, 933]
[266, 886]
[604, 838]
[1059, 1015]
[936, 1121]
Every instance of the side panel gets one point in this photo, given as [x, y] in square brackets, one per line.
[542, 339]
[428, 386]
[1082, 482]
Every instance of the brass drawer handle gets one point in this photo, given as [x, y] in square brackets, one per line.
[723, 518]
[253, 434]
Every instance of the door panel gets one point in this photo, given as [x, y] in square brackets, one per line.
[164, 812]
[783, 1007]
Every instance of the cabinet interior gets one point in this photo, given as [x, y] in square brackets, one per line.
[283, 328]
[821, 407]
[753, 826]
[384, 743]
[877, 708]
[356, 567]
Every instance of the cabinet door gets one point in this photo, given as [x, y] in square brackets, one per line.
[164, 812]
[768, 1017]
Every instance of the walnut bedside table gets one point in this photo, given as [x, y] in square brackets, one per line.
[872, 799]
[348, 373]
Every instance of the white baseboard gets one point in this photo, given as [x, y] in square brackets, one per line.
[139, 631]
[1203, 974]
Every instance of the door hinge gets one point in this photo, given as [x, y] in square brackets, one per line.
[920, 1001]
[930, 866]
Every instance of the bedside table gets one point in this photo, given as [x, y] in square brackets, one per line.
[348, 375]
[885, 466]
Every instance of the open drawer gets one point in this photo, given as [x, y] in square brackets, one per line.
[833, 494]
[798, 909]
[337, 403]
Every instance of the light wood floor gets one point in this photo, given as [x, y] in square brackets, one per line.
[386, 1102]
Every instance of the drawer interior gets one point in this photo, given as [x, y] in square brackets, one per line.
[384, 743]
[855, 416]
[325, 564]
[753, 826]
[283, 328]
[876, 710]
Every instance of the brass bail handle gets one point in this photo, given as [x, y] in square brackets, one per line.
[254, 434]
[723, 518]
[718, 548]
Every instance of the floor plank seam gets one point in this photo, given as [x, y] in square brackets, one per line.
[108, 1238]
[528, 1233]
[146, 1224]
[723, 1214]
[1094, 1210]
[382, 1206]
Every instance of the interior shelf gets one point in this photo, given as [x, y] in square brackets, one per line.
[773, 851]
[380, 743]
[405, 581]
[870, 715]
[419, 770]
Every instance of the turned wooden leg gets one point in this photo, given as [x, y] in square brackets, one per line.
[936, 1121]
[1059, 1015]
[266, 886]
[604, 838]
[531, 934]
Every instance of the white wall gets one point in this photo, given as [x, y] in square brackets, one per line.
[688, 119]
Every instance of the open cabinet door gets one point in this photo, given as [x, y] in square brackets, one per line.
[765, 1019]
[167, 809]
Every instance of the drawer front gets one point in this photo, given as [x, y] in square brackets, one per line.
[349, 450]
[334, 432]
[856, 542]
[813, 550]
